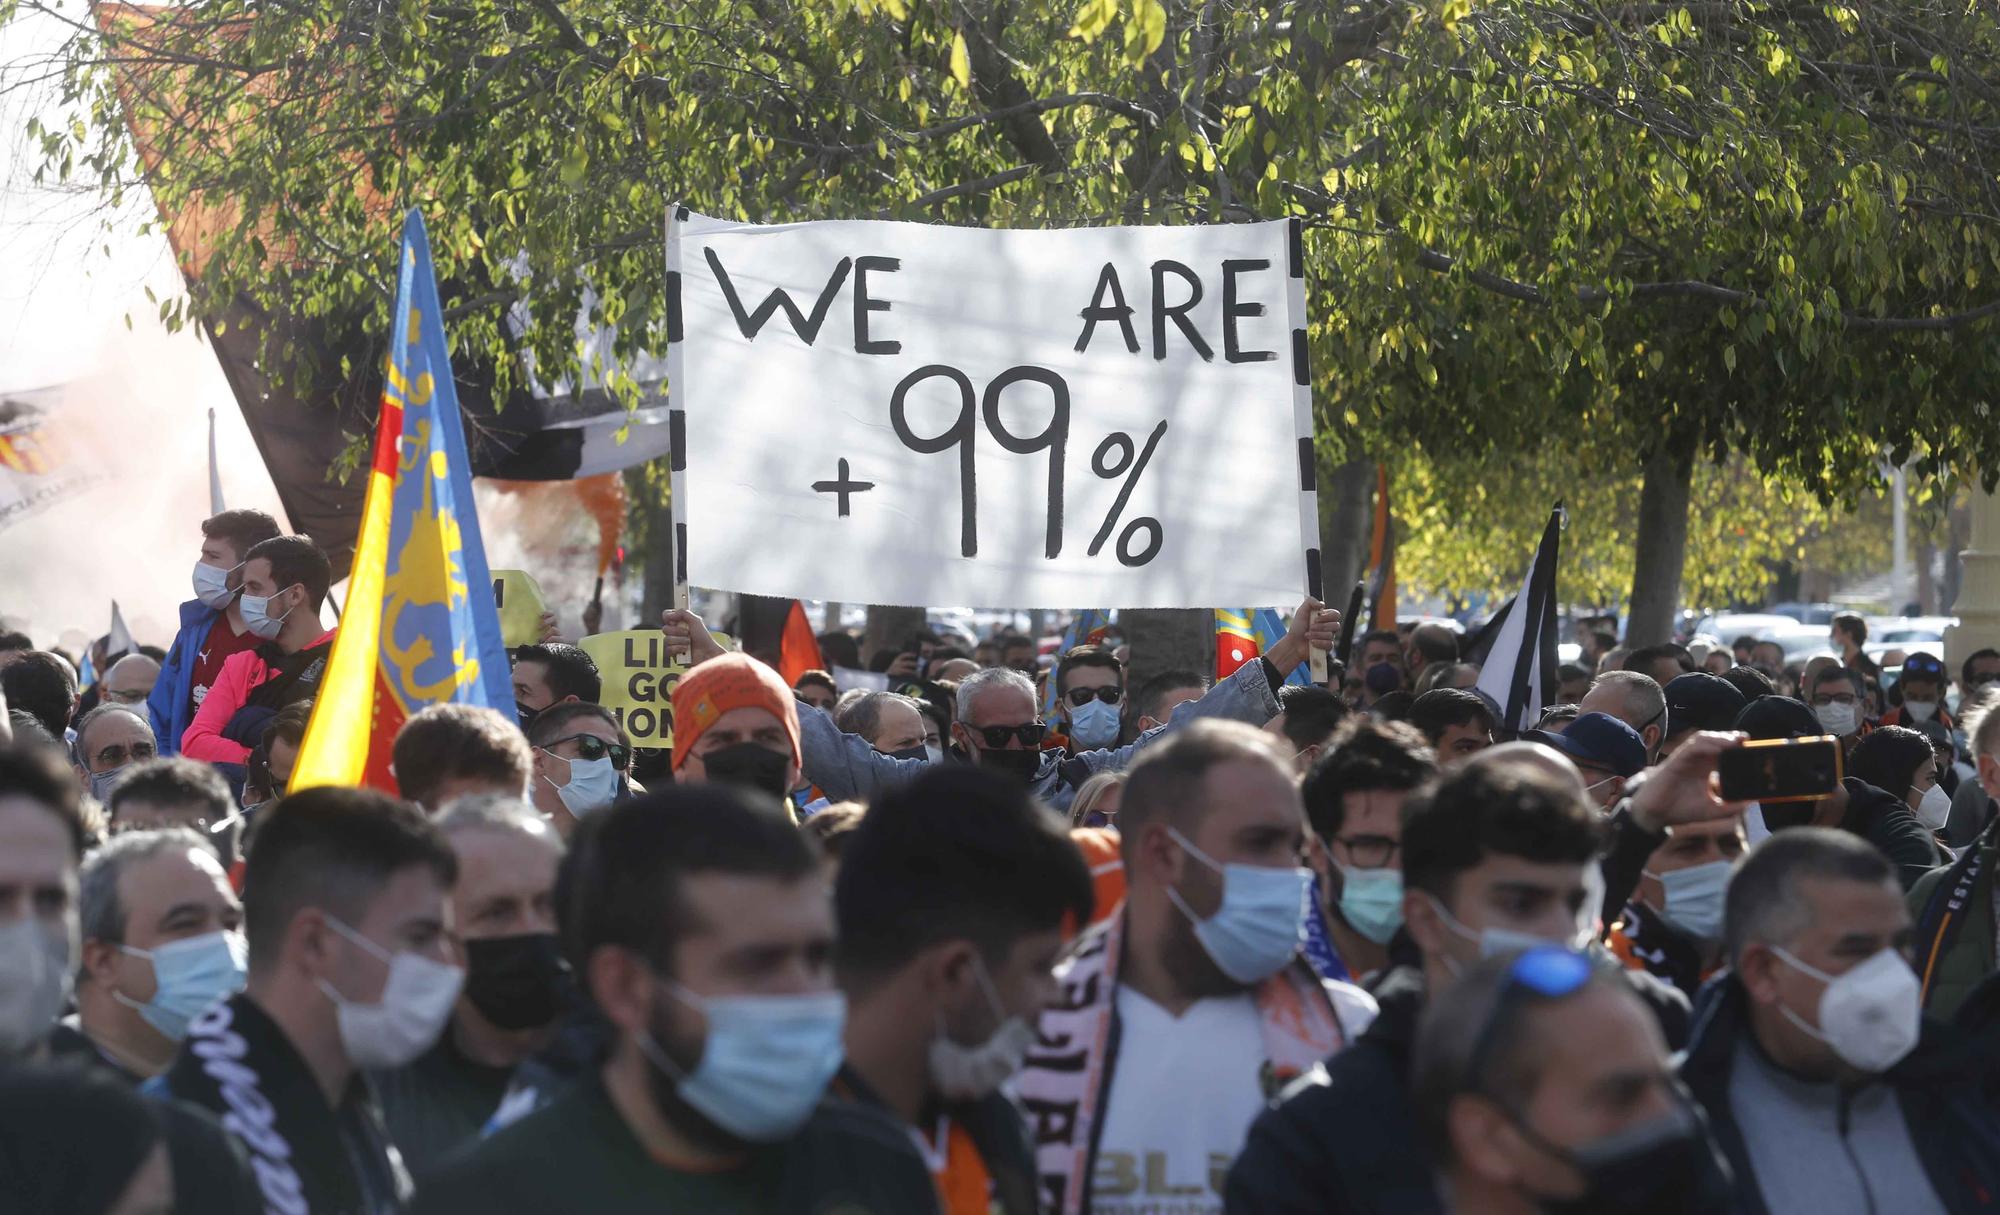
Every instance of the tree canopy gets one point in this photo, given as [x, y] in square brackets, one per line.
[1573, 231]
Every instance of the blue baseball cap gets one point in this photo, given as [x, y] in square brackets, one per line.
[1600, 740]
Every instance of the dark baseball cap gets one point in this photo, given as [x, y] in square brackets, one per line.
[1600, 740]
[1701, 701]
[1923, 666]
[1779, 717]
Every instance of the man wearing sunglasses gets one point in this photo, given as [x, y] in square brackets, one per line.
[580, 765]
[1543, 1085]
[1090, 698]
[999, 717]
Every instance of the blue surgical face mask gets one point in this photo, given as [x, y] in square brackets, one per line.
[256, 610]
[1262, 917]
[191, 975]
[101, 783]
[1093, 725]
[1694, 898]
[593, 784]
[1371, 901]
[211, 585]
[765, 1063]
[1493, 940]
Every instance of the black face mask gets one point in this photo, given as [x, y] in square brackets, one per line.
[526, 714]
[516, 982]
[749, 764]
[916, 752]
[1021, 764]
[1665, 1167]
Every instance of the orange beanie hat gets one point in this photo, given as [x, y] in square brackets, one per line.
[733, 681]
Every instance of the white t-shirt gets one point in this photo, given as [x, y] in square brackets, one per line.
[1183, 1094]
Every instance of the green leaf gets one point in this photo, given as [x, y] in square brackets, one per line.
[1145, 29]
[961, 62]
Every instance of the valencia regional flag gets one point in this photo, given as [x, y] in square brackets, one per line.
[414, 633]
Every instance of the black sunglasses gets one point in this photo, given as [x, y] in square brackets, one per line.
[1080, 697]
[589, 746]
[995, 737]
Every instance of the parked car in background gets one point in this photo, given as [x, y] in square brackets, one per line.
[1731, 625]
[1807, 613]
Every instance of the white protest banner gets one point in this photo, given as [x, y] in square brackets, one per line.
[901, 413]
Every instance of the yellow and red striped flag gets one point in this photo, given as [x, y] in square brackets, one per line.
[420, 626]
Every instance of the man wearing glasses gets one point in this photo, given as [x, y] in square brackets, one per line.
[581, 761]
[1090, 698]
[129, 681]
[108, 738]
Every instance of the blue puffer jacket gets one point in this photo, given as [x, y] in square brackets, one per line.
[170, 706]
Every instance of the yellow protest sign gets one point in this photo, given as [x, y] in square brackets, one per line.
[521, 606]
[639, 682]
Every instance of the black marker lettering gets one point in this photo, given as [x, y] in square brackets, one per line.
[1179, 311]
[752, 323]
[863, 305]
[1231, 310]
[1107, 280]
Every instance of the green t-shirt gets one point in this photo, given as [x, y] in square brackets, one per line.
[577, 1154]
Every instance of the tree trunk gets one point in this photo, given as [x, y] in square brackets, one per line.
[1661, 550]
[1346, 515]
[1169, 639]
[889, 628]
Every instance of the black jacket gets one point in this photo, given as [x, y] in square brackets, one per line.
[1884, 820]
[1944, 1088]
[238, 1064]
[1343, 1137]
[995, 1127]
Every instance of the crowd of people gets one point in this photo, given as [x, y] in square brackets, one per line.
[1178, 948]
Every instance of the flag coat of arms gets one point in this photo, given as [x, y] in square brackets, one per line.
[414, 632]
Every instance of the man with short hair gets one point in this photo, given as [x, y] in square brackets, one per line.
[1606, 752]
[1380, 646]
[448, 751]
[999, 717]
[1921, 690]
[1456, 723]
[1542, 1084]
[1429, 643]
[1307, 716]
[700, 922]
[1090, 695]
[1183, 1016]
[893, 724]
[1497, 855]
[956, 896]
[351, 968]
[1847, 635]
[278, 751]
[581, 763]
[516, 984]
[1839, 700]
[1980, 670]
[43, 686]
[1954, 906]
[1020, 654]
[41, 841]
[1156, 699]
[1824, 1083]
[551, 674]
[1698, 701]
[129, 681]
[817, 689]
[212, 629]
[109, 739]
[284, 583]
[1572, 683]
[1661, 663]
[1768, 657]
[1636, 699]
[162, 941]
[164, 793]
[1354, 798]
[1672, 926]
[13, 644]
